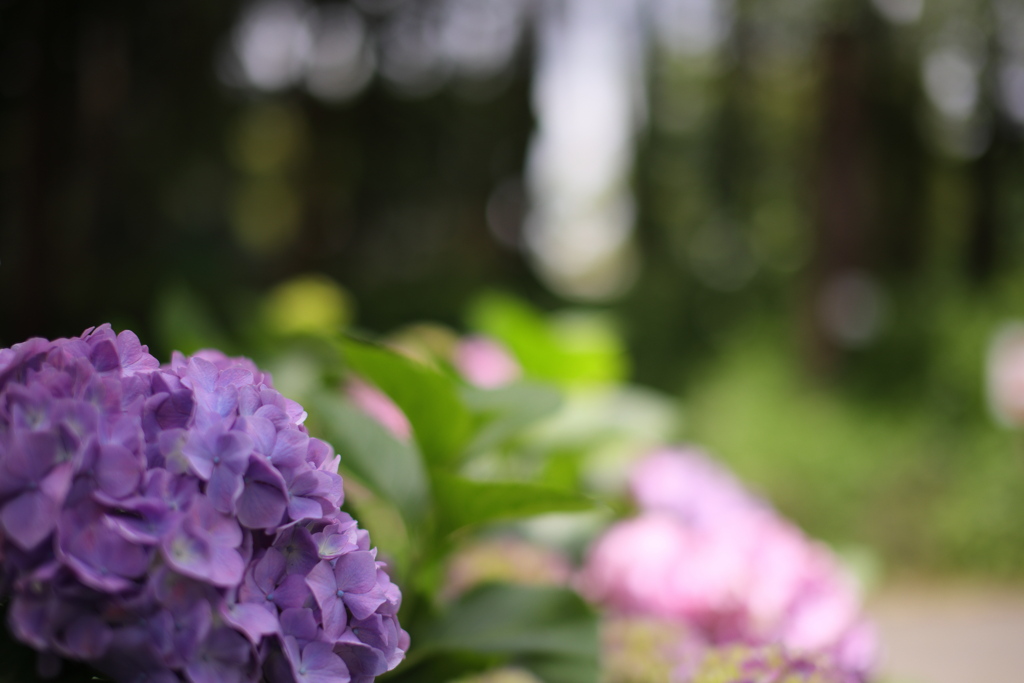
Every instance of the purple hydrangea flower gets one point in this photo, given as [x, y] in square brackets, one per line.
[178, 523]
[348, 585]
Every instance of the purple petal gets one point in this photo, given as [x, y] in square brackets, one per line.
[118, 470]
[133, 355]
[124, 430]
[186, 626]
[299, 622]
[318, 484]
[248, 402]
[362, 660]
[218, 404]
[228, 567]
[29, 458]
[198, 454]
[298, 548]
[292, 592]
[29, 518]
[322, 583]
[277, 416]
[225, 658]
[321, 665]
[30, 621]
[325, 591]
[264, 500]
[104, 357]
[363, 605]
[177, 591]
[141, 520]
[202, 374]
[268, 571]
[81, 418]
[356, 572]
[371, 631]
[331, 545]
[304, 508]
[290, 448]
[225, 487]
[220, 528]
[293, 651]
[57, 483]
[97, 555]
[251, 619]
[174, 411]
[318, 452]
[234, 448]
[261, 431]
[236, 376]
[132, 656]
[88, 637]
[105, 392]
[186, 553]
[307, 483]
[172, 445]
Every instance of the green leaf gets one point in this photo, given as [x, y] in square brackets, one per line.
[184, 321]
[451, 667]
[573, 348]
[507, 411]
[463, 502]
[563, 669]
[391, 468]
[429, 399]
[515, 620]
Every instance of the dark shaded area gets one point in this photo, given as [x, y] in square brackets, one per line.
[799, 172]
[119, 175]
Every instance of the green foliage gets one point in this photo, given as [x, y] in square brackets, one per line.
[535, 620]
[504, 412]
[463, 502]
[391, 468]
[547, 630]
[430, 400]
[921, 476]
[573, 349]
[185, 322]
[931, 483]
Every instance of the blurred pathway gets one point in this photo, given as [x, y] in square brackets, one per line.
[950, 633]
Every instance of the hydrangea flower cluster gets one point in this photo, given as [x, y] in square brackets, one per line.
[485, 362]
[1005, 375]
[768, 664]
[178, 523]
[706, 553]
[646, 648]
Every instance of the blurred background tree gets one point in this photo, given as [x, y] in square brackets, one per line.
[805, 217]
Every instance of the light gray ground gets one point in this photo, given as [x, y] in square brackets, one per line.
[950, 633]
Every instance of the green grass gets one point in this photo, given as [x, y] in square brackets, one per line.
[932, 489]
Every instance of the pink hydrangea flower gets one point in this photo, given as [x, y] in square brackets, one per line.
[690, 485]
[706, 553]
[485, 363]
[380, 407]
[1006, 375]
[748, 663]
